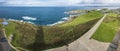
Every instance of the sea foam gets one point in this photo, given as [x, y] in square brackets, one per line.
[28, 18]
[65, 18]
[59, 22]
[20, 21]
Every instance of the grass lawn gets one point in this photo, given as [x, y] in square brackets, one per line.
[107, 29]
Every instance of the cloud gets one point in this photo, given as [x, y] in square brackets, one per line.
[87, 2]
[41, 3]
[107, 1]
[57, 2]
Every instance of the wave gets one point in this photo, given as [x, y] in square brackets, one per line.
[20, 21]
[28, 18]
[65, 18]
[59, 22]
[16, 20]
[62, 20]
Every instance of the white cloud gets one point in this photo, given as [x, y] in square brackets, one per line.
[43, 3]
[112, 1]
[107, 1]
[87, 1]
[56, 2]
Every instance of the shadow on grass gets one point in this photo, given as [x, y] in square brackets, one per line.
[59, 36]
[39, 44]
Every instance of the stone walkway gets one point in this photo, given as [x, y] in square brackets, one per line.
[84, 43]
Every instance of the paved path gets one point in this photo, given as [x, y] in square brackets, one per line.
[115, 44]
[9, 42]
[4, 45]
[84, 43]
[90, 44]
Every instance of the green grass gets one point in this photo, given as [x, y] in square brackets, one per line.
[107, 29]
[1, 26]
[10, 28]
[25, 34]
[84, 18]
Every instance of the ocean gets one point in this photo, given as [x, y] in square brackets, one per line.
[40, 15]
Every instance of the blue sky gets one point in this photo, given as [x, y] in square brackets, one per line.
[58, 2]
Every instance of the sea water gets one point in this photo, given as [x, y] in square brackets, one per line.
[39, 15]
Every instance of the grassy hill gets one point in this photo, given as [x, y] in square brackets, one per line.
[107, 29]
[10, 28]
[84, 18]
[37, 38]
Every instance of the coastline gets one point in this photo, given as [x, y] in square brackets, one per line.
[21, 21]
[64, 20]
[71, 17]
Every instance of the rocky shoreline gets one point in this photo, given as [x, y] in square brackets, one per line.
[66, 19]
[71, 17]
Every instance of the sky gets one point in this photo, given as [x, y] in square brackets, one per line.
[58, 2]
